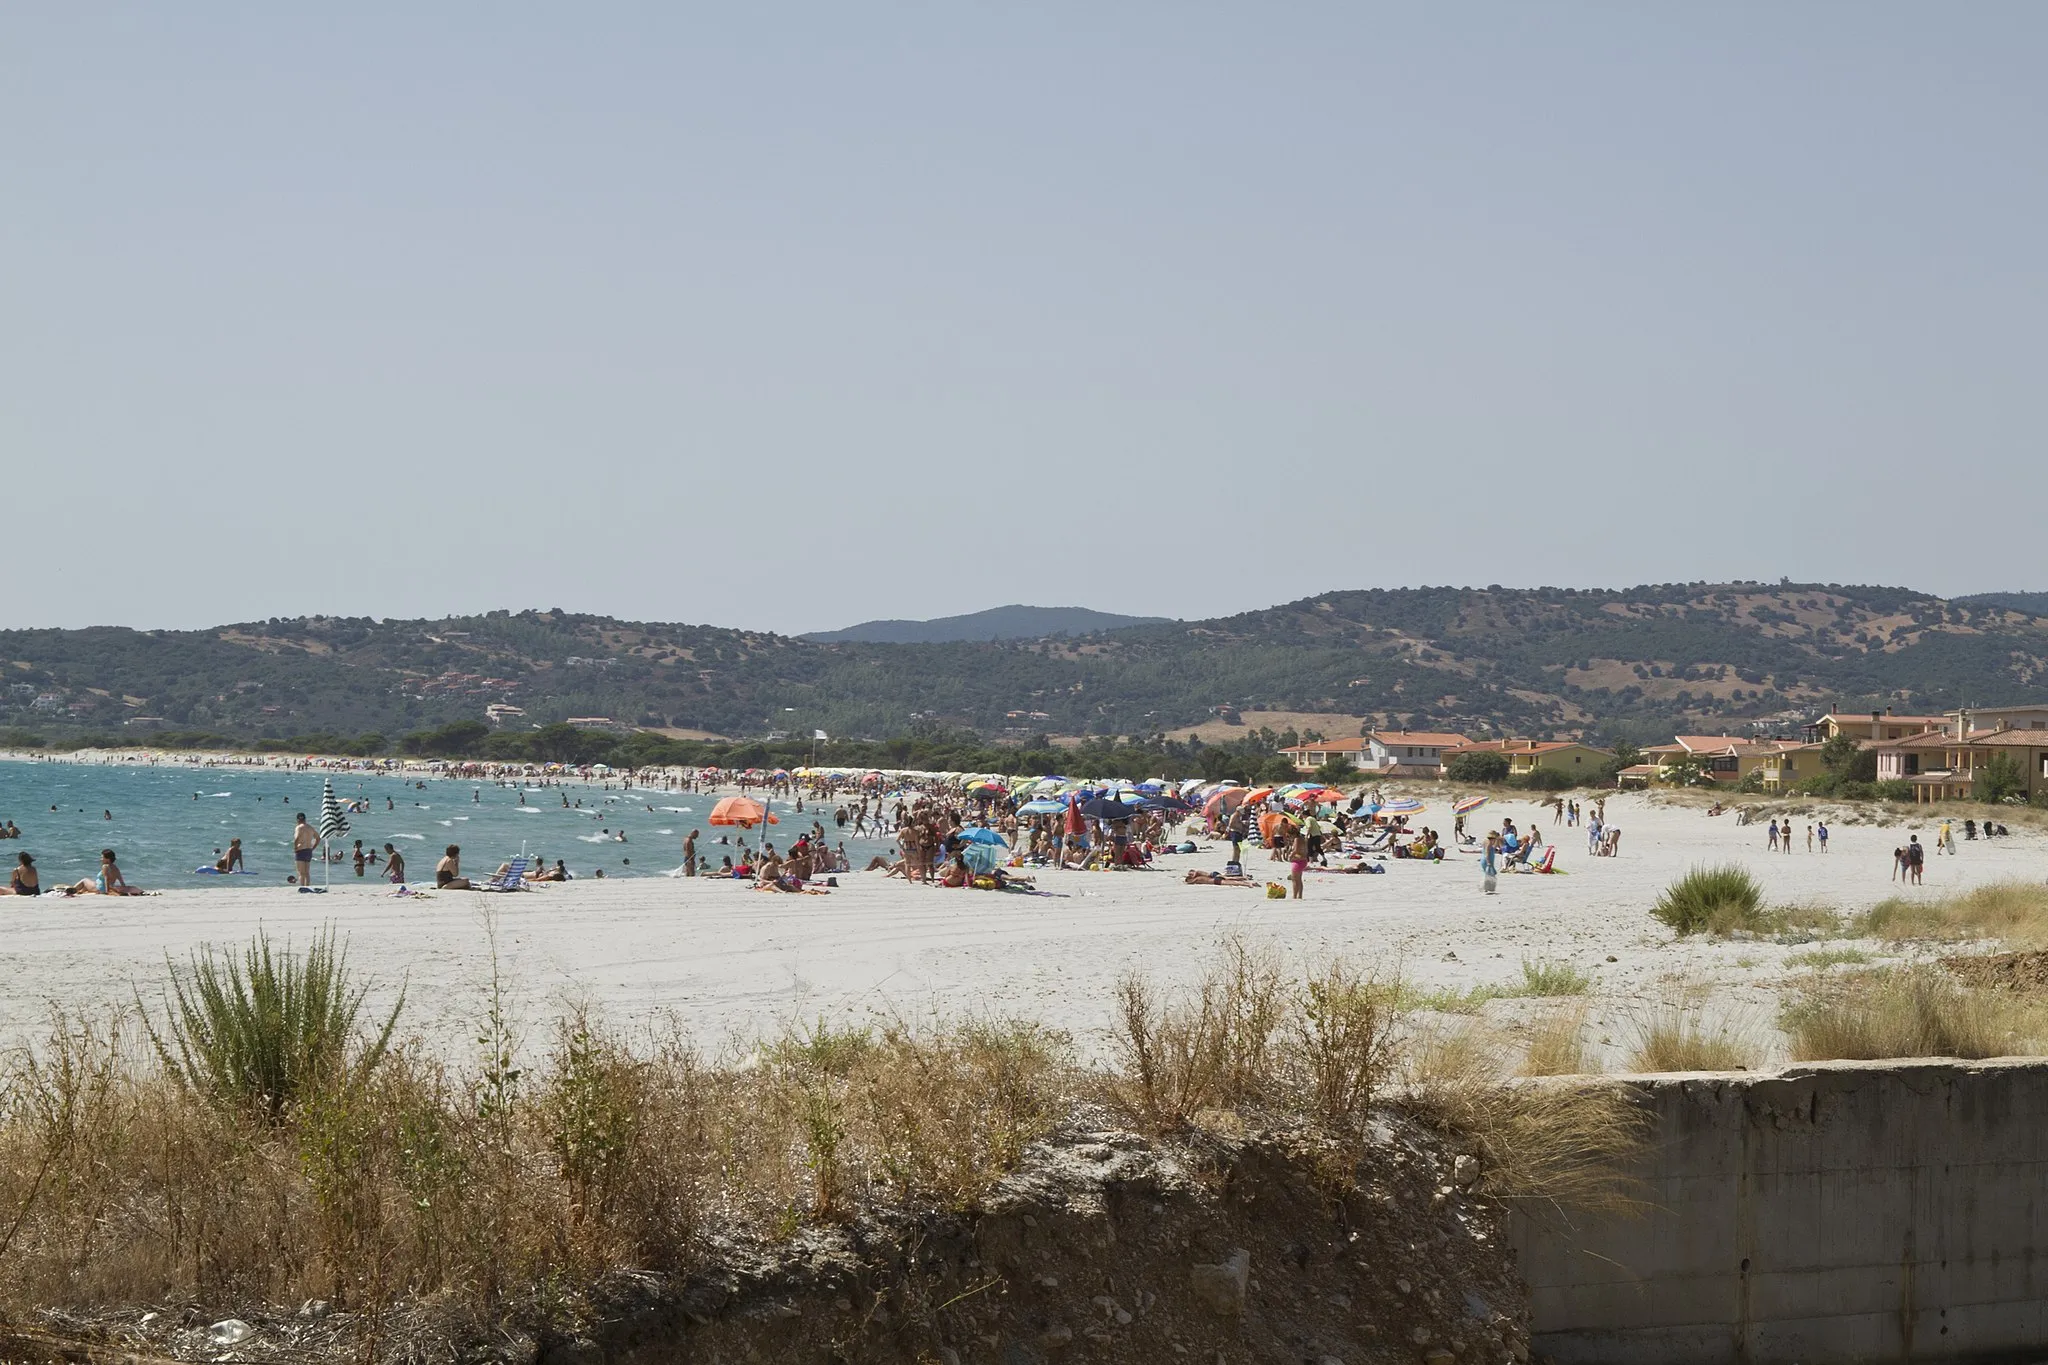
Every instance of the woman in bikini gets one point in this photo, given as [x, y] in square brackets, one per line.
[24, 882]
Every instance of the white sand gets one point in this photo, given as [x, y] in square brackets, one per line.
[731, 962]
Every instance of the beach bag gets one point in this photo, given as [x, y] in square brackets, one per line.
[1275, 891]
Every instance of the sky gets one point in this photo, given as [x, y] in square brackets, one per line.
[790, 315]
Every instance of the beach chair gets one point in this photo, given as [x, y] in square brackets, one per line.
[514, 878]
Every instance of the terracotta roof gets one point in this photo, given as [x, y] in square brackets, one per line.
[1441, 739]
[1866, 718]
[2011, 738]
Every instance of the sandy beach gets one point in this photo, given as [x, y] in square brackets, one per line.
[730, 963]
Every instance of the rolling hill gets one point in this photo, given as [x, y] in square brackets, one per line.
[1014, 622]
[1636, 662]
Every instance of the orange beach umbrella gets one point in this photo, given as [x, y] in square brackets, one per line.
[743, 811]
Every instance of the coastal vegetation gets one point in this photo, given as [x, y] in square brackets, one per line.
[1613, 665]
[360, 1174]
[1714, 900]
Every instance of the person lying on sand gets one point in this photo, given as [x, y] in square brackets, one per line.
[1196, 877]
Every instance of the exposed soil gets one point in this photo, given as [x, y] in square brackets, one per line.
[1105, 1247]
[2002, 971]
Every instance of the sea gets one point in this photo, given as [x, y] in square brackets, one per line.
[165, 823]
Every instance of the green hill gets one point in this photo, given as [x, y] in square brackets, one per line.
[1642, 661]
[1013, 622]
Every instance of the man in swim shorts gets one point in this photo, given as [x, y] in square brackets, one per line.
[304, 838]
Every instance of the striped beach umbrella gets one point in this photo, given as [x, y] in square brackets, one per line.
[333, 824]
[1469, 804]
[333, 815]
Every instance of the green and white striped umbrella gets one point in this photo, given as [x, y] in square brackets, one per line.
[333, 815]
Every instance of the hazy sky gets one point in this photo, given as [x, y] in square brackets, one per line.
[797, 314]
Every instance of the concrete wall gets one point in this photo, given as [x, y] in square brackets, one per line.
[1849, 1211]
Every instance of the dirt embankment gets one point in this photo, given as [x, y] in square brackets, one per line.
[1105, 1247]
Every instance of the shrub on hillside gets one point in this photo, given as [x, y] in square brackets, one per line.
[1714, 900]
[1549, 780]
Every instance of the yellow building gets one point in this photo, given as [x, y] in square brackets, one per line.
[1525, 756]
[1725, 759]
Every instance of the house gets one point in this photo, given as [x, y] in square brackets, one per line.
[1309, 757]
[1411, 753]
[2034, 717]
[1785, 764]
[1726, 759]
[1874, 727]
[1392, 753]
[497, 713]
[1944, 766]
[1526, 756]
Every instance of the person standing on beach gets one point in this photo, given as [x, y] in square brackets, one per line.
[1236, 831]
[690, 854]
[1489, 865]
[1771, 841]
[1916, 857]
[1821, 830]
[394, 865]
[1298, 854]
[304, 839]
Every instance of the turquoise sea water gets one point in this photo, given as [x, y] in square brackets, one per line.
[168, 821]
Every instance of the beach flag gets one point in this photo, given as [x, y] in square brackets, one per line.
[819, 734]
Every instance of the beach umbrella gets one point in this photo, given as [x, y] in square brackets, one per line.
[1041, 807]
[1166, 803]
[1468, 805]
[743, 811]
[1108, 808]
[1319, 796]
[1404, 805]
[333, 824]
[981, 858]
[982, 834]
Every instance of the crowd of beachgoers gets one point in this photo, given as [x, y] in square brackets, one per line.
[958, 830]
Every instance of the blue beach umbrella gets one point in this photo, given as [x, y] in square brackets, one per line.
[981, 834]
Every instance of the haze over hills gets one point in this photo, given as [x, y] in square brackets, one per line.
[1015, 622]
[1637, 662]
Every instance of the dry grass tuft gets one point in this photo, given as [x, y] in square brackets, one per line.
[1676, 1036]
[2014, 911]
[1907, 1011]
[1557, 1045]
[1566, 1144]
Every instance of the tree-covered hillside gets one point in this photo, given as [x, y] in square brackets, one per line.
[1544, 660]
